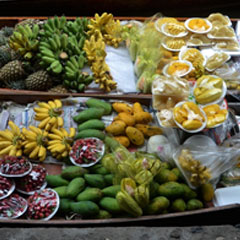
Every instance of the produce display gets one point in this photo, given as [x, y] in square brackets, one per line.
[108, 156]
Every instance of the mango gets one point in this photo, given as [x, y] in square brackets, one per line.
[194, 204]
[75, 187]
[97, 103]
[91, 113]
[111, 191]
[72, 172]
[85, 208]
[90, 194]
[110, 204]
[56, 181]
[95, 180]
[178, 205]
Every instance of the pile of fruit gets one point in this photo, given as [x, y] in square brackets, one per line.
[53, 54]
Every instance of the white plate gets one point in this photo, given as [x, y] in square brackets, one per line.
[170, 49]
[19, 175]
[10, 190]
[210, 36]
[55, 210]
[184, 49]
[226, 196]
[191, 131]
[229, 20]
[165, 69]
[182, 34]
[20, 213]
[221, 98]
[200, 141]
[92, 163]
[202, 32]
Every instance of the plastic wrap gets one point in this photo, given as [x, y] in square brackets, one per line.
[200, 165]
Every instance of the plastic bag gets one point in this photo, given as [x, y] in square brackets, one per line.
[200, 165]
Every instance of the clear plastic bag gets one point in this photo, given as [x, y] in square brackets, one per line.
[200, 165]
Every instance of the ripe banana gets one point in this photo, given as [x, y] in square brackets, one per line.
[10, 141]
[60, 143]
[35, 142]
[49, 114]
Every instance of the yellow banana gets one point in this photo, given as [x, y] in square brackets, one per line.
[44, 122]
[42, 151]
[65, 154]
[72, 132]
[13, 151]
[54, 137]
[52, 121]
[36, 130]
[6, 135]
[30, 145]
[4, 144]
[41, 116]
[58, 103]
[29, 134]
[59, 148]
[6, 150]
[41, 110]
[14, 127]
[19, 153]
[34, 153]
[51, 104]
[53, 142]
[48, 127]
[44, 105]
[64, 132]
[58, 132]
[59, 121]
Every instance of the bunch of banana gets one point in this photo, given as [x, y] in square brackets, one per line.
[10, 141]
[78, 27]
[75, 46]
[49, 115]
[95, 50]
[35, 142]
[54, 25]
[208, 89]
[109, 28]
[74, 77]
[53, 52]
[60, 143]
[25, 40]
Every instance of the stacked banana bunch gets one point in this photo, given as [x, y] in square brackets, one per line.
[49, 115]
[25, 40]
[34, 144]
[60, 143]
[95, 50]
[11, 141]
[199, 174]
[208, 89]
[74, 77]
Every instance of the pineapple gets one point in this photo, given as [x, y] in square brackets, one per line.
[16, 85]
[5, 57]
[39, 80]
[11, 72]
[58, 89]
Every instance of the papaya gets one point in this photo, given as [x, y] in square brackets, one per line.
[111, 191]
[85, 208]
[92, 124]
[90, 133]
[165, 175]
[72, 172]
[75, 187]
[110, 204]
[56, 181]
[95, 180]
[91, 113]
[188, 192]
[90, 194]
[97, 103]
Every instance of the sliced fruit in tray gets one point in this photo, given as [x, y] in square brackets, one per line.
[32, 182]
[14, 166]
[13, 207]
[43, 204]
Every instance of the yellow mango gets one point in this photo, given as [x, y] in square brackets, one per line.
[116, 127]
[209, 96]
[135, 136]
[137, 107]
[219, 118]
[148, 130]
[122, 107]
[142, 117]
[123, 140]
[191, 124]
[127, 118]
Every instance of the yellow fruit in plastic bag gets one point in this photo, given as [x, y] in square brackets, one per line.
[192, 124]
